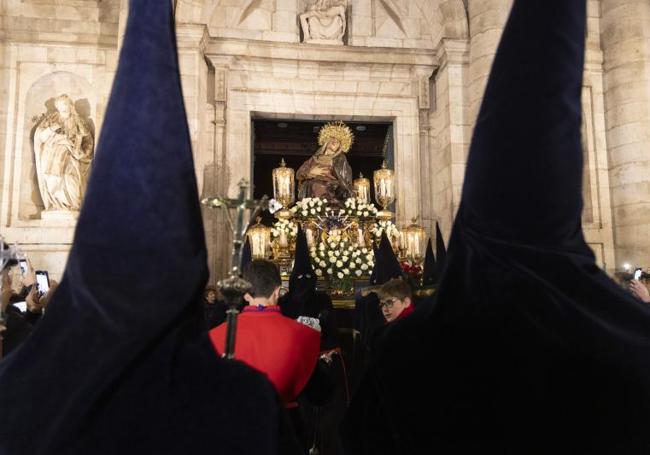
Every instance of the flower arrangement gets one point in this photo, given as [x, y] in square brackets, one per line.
[284, 227]
[359, 208]
[341, 261]
[412, 274]
[309, 207]
[388, 226]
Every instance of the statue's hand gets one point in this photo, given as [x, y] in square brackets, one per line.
[317, 172]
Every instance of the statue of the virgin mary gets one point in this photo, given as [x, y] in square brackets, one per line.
[327, 174]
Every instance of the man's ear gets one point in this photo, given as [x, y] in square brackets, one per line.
[248, 297]
[276, 293]
[407, 301]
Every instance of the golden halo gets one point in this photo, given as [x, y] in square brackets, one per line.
[337, 130]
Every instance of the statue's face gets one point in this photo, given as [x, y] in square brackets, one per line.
[64, 108]
[333, 145]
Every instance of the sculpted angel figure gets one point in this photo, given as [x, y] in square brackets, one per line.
[327, 174]
[63, 151]
[324, 20]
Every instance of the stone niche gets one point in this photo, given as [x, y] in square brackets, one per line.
[39, 101]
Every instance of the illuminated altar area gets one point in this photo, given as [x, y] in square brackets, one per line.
[338, 216]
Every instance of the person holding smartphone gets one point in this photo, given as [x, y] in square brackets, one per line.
[640, 290]
[20, 320]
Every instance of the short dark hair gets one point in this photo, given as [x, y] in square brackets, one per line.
[264, 276]
[395, 288]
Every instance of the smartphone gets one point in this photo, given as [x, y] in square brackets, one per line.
[23, 266]
[42, 282]
[637, 273]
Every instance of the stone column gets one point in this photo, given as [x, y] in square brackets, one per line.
[450, 134]
[625, 39]
[487, 19]
[121, 25]
[216, 177]
[4, 107]
[422, 77]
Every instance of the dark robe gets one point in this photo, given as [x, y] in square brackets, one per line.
[120, 362]
[314, 304]
[529, 346]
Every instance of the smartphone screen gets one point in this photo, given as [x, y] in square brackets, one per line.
[23, 266]
[42, 281]
[22, 306]
[637, 274]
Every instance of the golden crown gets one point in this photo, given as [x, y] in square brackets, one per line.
[337, 130]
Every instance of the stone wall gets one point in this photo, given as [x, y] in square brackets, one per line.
[626, 46]
[49, 48]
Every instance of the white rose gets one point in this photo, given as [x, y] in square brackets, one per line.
[332, 259]
[358, 261]
[352, 265]
[345, 258]
[364, 250]
[304, 213]
[358, 273]
[346, 271]
[365, 213]
[330, 253]
[340, 275]
[364, 267]
[312, 211]
[339, 264]
[323, 264]
[319, 272]
[369, 258]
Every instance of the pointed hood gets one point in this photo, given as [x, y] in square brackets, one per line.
[389, 266]
[429, 276]
[441, 254]
[303, 278]
[137, 265]
[376, 266]
[246, 254]
[524, 175]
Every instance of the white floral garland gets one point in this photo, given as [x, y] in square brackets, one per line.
[388, 226]
[360, 209]
[309, 207]
[338, 258]
[288, 227]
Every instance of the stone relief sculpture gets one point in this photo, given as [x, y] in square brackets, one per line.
[63, 151]
[324, 22]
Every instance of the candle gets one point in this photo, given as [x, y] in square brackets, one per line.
[309, 233]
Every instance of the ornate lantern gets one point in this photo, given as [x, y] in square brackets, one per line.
[284, 188]
[384, 181]
[415, 242]
[362, 188]
[259, 237]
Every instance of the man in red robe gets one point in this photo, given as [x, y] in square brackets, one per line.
[285, 350]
